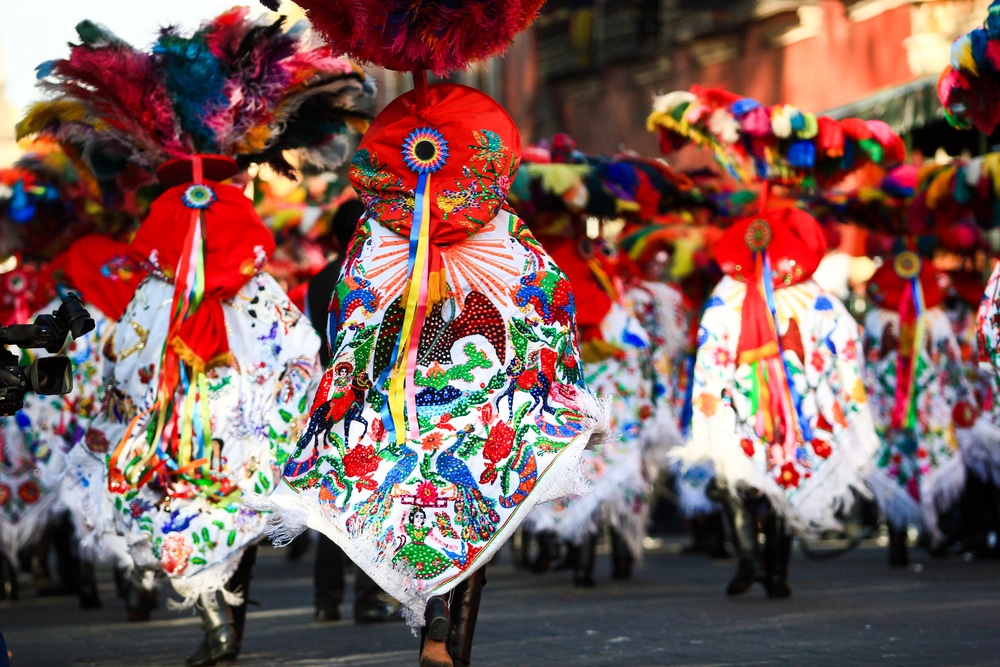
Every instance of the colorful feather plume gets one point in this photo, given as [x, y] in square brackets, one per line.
[245, 88]
[48, 199]
[438, 35]
[969, 87]
[780, 144]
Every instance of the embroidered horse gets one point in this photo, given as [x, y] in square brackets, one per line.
[535, 381]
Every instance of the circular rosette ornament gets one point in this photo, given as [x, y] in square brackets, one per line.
[458, 153]
[425, 150]
[907, 265]
[198, 196]
[758, 235]
[964, 414]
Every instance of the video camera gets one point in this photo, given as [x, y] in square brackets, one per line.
[48, 375]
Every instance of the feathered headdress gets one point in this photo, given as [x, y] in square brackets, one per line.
[438, 35]
[249, 89]
[781, 143]
[969, 87]
[192, 111]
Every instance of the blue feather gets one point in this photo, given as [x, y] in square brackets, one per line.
[195, 80]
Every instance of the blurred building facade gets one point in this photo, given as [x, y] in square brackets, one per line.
[8, 147]
[592, 67]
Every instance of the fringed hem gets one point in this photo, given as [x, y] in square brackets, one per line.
[939, 490]
[611, 497]
[980, 446]
[30, 526]
[208, 580]
[659, 437]
[898, 506]
[291, 513]
[813, 509]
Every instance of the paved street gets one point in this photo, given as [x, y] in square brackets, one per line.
[851, 610]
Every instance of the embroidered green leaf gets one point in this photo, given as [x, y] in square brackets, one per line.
[198, 560]
[231, 538]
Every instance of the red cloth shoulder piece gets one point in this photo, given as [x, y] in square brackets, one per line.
[237, 243]
[99, 268]
[887, 285]
[794, 240]
[465, 143]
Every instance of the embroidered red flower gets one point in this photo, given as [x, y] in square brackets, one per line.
[964, 415]
[431, 442]
[789, 476]
[29, 492]
[4, 494]
[361, 461]
[747, 445]
[174, 553]
[378, 430]
[499, 443]
[427, 494]
[486, 413]
[822, 448]
[817, 361]
[489, 475]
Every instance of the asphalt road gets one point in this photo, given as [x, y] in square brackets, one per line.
[850, 610]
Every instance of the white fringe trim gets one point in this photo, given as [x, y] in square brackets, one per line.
[207, 580]
[813, 508]
[980, 446]
[29, 527]
[291, 513]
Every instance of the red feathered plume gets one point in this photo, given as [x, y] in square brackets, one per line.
[437, 35]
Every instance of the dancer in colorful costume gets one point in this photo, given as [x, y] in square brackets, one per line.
[212, 365]
[47, 201]
[915, 382]
[779, 404]
[619, 353]
[455, 398]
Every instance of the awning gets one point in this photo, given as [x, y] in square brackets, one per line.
[904, 107]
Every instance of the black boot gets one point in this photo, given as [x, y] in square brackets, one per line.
[8, 579]
[548, 551]
[220, 643]
[777, 551]
[897, 547]
[743, 526]
[434, 634]
[583, 573]
[240, 583]
[570, 559]
[89, 598]
[139, 601]
[464, 610]
[621, 557]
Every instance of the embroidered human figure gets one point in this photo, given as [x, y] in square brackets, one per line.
[427, 561]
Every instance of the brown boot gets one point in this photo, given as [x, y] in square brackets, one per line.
[434, 635]
[464, 611]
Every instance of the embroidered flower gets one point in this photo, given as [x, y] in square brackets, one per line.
[822, 448]
[707, 403]
[499, 443]
[817, 361]
[747, 445]
[174, 553]
[4, 494]
[138, 507]
[29, 492]
[361, 461]
[431, 442]
[198, 196]
[789, 476]
[425, 150]
[486, 413]
[723, 357]
[427, 494]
